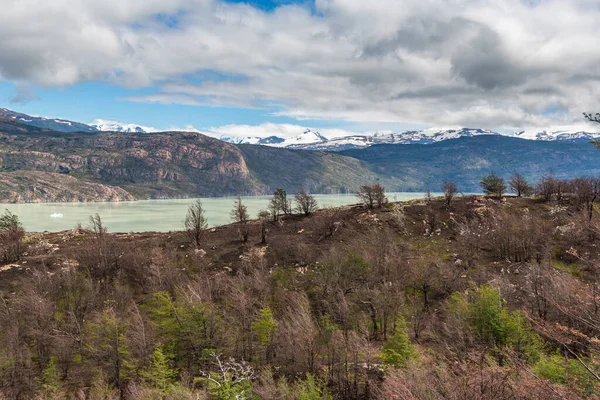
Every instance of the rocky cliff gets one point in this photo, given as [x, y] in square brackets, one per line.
[43, 165]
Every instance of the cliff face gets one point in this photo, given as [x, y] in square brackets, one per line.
[37, 187]
[159, 165]
[43, 165]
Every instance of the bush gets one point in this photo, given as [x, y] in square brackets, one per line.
[398, 350]
[372, 195]
[11, 237]
[551, 368]
[491, 321]
[312, 389]
[561, 370]
[493, 185]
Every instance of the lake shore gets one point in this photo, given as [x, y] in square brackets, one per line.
[156, 215]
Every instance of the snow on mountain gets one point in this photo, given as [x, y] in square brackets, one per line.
[307, 137]
[113, 126]
[310, 139]
[276, 135]
[568, 134]
[299, 137]
[56, 124]
[427, 136]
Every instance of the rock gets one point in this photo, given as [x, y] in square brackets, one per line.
[8, 267]
[199, 252]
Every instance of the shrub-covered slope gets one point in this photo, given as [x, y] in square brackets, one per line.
[483, 299]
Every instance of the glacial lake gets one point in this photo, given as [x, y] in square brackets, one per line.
[155, 215]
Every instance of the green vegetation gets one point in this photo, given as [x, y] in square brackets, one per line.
[11, 237]
[421, 300]
[484, 310]
[264, 326]
[493, 185]
[159, 373]
[561, 370]
[398, 350]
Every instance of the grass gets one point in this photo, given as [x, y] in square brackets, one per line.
[573, 269]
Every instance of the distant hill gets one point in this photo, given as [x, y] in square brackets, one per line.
[38, 164]
[297, 137]
[55, 124]
[466, 160]
[42, 165]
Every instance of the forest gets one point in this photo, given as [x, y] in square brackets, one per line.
[459, 297]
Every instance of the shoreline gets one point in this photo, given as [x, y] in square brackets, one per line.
[233, 196]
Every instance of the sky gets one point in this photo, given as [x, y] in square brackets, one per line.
[342, 65]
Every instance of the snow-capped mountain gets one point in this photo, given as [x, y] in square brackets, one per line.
[306, 138]
[113, 126]
[561, 135]
[299, 137]
[55, 124]
[427, 136]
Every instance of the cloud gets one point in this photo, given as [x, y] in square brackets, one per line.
[484, 63]
[285, 131]
[110, 126]
[23, 95]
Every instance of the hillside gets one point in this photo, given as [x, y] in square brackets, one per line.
[158, 165]
[466, 160]
[485, 299]
[38, 164]
[57, 124]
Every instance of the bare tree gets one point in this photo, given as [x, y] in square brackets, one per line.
[327, 222]
[592, 117]
[195, 222]
[450, 191]
[305, 203]
[546, 187]
[98, 228]
[240, 215]
[264, 216]
[372, 195]
[229, 378]
[280, 204]
[585, 192]
[519, 186]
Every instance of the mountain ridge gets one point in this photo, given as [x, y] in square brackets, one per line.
[312, 139]
[42, 165]
[160, 165]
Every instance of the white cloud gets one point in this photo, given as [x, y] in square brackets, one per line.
[484, 63]
[115, 126]
[284, 131]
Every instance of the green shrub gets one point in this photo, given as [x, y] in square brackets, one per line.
[562, 370]
[312, 389]
[264, 327]
[484, 311]
[398, 350]
[159, 373]
[551, 368]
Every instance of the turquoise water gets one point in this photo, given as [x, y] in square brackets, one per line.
[153, 215]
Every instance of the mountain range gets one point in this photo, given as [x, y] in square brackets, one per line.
[57, 124]
[44, 165]
[310, 139]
